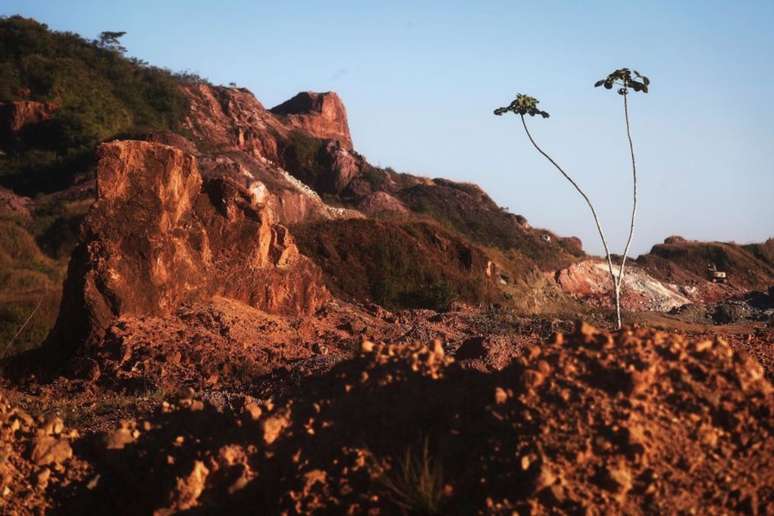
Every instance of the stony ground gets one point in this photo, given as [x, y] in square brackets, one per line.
[496, 416]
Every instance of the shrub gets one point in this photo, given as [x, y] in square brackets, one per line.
[304, 156]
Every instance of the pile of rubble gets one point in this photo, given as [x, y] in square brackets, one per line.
[636, 421]
[37, 466]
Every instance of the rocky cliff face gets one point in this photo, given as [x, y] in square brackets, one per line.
[231, 119]
[240, 139]
[320, 114]
[180, 219]
[160, 235]
[201, 212]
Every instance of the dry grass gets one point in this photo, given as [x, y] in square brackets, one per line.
[416, 483]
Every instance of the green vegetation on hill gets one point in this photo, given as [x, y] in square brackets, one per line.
[467, 210]
[763, 251]
[304, 156]
[749, 266]
[412, 265]
[98, 93]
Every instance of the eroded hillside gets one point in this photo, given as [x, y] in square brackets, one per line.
[296, 161]
[256, 319]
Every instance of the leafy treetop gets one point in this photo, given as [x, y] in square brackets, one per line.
[522, 105]
[110, 41]
[623, 77]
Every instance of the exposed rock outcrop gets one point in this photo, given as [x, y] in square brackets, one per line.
[233, 119]
[159, 235]
[16, 116]
[310, 140]
[380, 203]
[230, 119]
[589, 280]
[320, 114]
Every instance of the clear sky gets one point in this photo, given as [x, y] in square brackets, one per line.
[420, 80]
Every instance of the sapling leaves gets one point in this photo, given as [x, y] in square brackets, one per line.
[522, 105]
[623, 78]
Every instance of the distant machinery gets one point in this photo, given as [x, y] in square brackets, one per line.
[715, 275]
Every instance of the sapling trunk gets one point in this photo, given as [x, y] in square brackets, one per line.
[613, 280]
[619, 280]
[628, 80]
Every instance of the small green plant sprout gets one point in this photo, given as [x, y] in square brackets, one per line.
[625, 82]
[526, 105]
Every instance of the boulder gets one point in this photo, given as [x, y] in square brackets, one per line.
[159, 235]
[729, 312]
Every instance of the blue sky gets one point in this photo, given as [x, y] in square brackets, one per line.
[420, 80]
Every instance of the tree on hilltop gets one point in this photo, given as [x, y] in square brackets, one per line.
[111, 41]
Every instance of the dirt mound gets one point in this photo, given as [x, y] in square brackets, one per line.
[219, 345]
[635, 422]
[223, 345]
